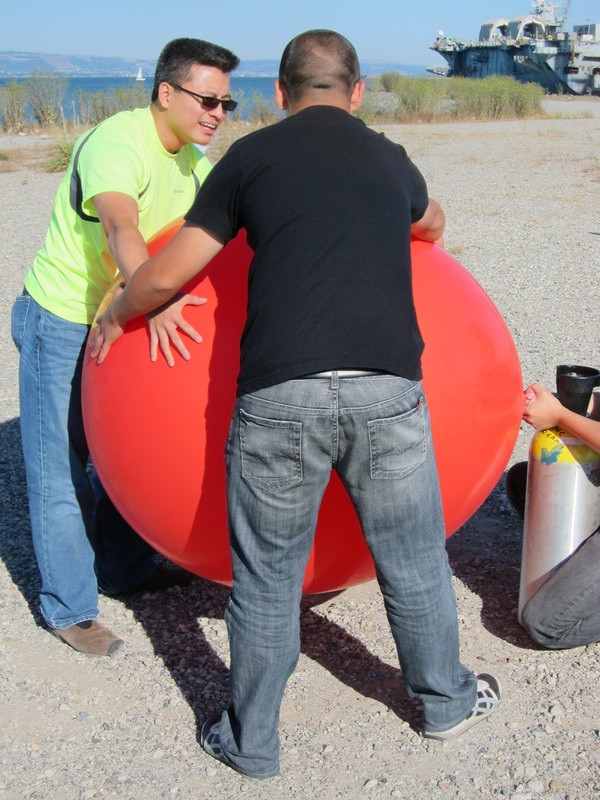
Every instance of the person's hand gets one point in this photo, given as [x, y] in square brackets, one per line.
[165, 323]
[542, 408]
[104, 335]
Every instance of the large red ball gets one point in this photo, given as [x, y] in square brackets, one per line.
[157, 434]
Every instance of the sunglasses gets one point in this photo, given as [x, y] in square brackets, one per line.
[208, 102]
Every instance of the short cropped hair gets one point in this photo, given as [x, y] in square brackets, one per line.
[179, 56]
[318, 60]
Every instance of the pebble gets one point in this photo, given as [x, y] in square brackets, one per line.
[536, 786]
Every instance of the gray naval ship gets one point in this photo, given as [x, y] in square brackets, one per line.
[535, 48]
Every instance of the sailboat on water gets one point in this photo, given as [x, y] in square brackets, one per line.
[139, 76]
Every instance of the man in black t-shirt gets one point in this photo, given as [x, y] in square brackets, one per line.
[330, 379]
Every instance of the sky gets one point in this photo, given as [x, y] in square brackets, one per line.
[381, 30]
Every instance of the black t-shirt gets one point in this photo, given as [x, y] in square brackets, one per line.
[327, 204]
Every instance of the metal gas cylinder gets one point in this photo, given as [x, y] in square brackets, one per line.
[562, 505]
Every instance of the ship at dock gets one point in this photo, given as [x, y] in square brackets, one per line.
[536, 48]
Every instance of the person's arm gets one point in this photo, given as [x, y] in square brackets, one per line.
[431, 226]
[543, 410]
[594, 407]
[118, 214]
[154, 283]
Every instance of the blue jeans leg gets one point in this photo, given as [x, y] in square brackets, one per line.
[565, 610]
[387, 463]
[283, 443]
[61, 494]
[122, 558]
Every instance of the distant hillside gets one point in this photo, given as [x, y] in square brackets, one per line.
[269, 68]
[20, 65]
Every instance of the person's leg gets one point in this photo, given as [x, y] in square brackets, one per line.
[387, 463]
[278, 466]
[565, 610]
[123, 560]
[55, 451]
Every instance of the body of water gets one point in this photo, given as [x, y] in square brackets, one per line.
[242, 89]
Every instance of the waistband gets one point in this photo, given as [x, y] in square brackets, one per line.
[343, 373]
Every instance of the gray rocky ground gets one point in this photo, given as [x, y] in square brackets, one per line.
[522, 204]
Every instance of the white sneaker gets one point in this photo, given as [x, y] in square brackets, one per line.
[489, 693]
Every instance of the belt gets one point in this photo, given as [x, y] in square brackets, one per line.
[343, 373]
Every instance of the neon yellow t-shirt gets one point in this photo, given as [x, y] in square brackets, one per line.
[73, 270]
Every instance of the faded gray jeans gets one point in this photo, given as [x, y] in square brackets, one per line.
[283, 443]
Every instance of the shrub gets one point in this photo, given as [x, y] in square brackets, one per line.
[97, 106]
[495, 97]
[59, 160]
[137, 96]
[45, 92]
[407, 99]
[263, 111]
[379, 108]
[12, 106]
[390, 82]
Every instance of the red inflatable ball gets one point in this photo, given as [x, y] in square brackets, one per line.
[157, 434]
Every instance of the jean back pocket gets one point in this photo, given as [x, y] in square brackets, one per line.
[398, 444]
[271, 451]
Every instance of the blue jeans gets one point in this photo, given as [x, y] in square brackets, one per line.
[63, 490]
[283, 443]
[565, 610]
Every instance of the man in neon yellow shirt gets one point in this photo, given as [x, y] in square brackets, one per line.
[130, 178]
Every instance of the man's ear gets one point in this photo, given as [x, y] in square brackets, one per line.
[165, 92]
[357, 95]
[281, 96]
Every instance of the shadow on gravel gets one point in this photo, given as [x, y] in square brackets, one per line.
[171, 621]
[485, 554]
[16, 549]
[348, 660]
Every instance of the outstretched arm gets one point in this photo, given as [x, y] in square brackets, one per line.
[155, 283]
[119, 217]
[543, 410]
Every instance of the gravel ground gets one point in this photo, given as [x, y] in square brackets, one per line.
[521, 200]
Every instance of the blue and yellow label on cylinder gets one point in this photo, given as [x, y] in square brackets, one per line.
[557, 445]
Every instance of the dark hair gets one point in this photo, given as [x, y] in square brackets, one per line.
[180, 55]
[318, 59]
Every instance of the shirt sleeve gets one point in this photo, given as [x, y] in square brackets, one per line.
[418, 192]
[109, 162]
[217, 204]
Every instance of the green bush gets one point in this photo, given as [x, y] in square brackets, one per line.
[59, 160]
[421, 95]
[97, 106]
[430, 99]
[12, 106]
[262, 110]
[390, 82]
[131, 97]
[495, 97]
[379, 108]
[45, 92]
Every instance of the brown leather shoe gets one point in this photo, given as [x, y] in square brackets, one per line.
[163, 577]
[90, 637]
